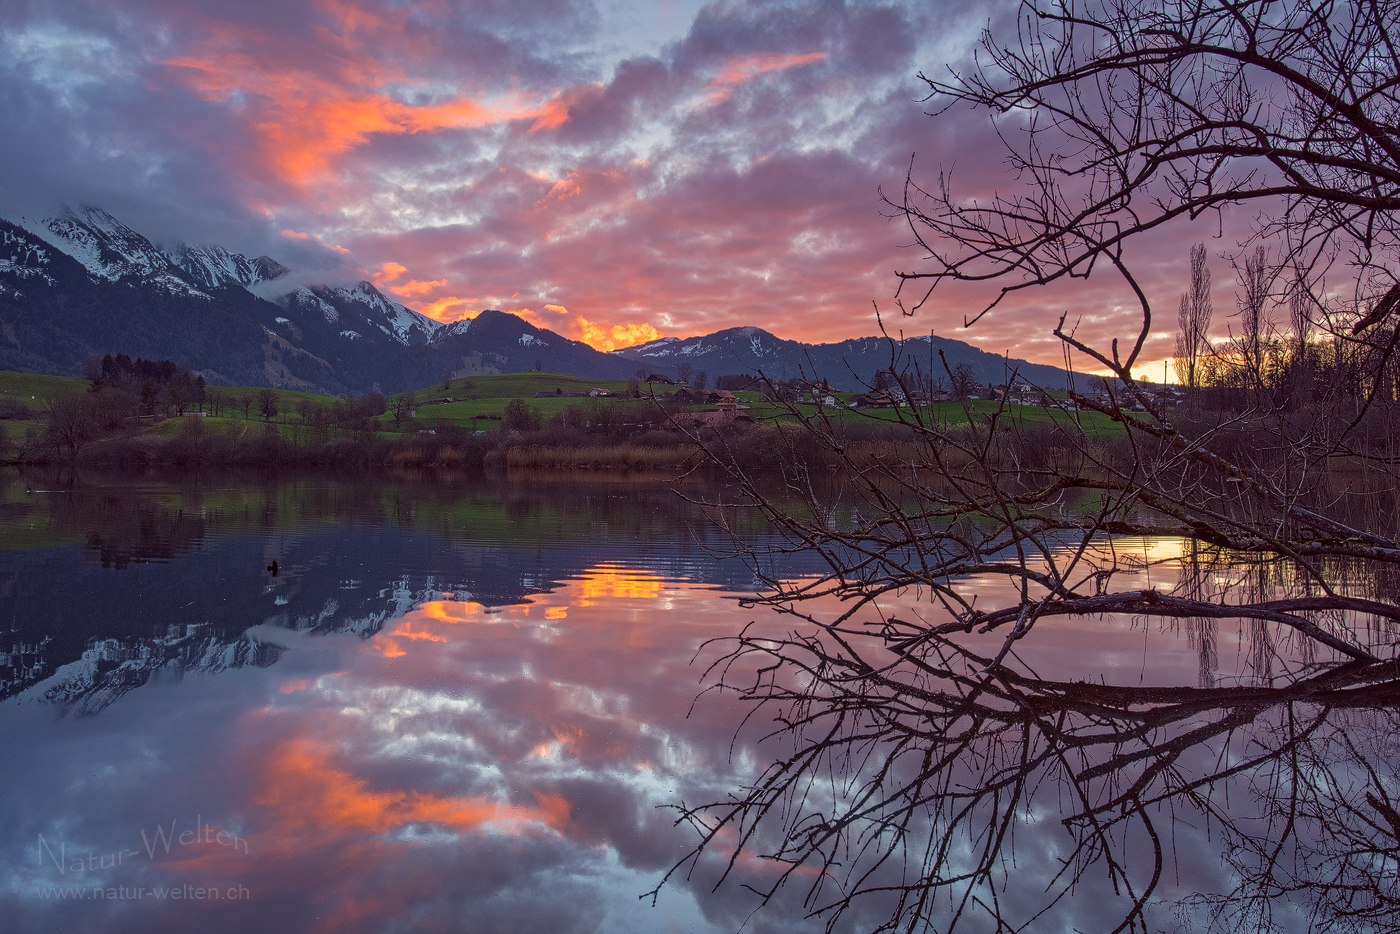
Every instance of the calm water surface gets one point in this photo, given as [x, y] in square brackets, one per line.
[458, 705]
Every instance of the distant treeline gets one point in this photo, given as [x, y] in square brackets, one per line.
[117, 422]
[145, 383]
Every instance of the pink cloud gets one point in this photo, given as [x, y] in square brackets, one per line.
[737, 71]
[512, 158]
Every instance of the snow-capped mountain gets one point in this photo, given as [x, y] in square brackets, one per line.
[362, 308]
[108, 249]
[104, 245]
[114, 667]
[83, 283]
[749, 343]
[848, 365]
[497, 342]
[23, 257]
[213, 267]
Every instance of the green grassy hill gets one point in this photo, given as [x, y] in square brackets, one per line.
[35, 389]
[479, 403]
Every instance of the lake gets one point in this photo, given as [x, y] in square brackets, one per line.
[456, 702]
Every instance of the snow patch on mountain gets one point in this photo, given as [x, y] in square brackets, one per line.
[112, 668]
[306, 298]
[403, 322]
[108, 249]
[22, 257]
[455, 328]
[364, 306]
[214, 267]
[103, 244]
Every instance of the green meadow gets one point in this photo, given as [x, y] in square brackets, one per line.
[478, 404]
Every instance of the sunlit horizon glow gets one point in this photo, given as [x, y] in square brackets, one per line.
[614, 174]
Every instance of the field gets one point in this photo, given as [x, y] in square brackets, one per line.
[484, 398]
[34, 389]
[479, 403]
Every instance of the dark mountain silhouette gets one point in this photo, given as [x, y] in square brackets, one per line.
[848, 365]
[83, 283]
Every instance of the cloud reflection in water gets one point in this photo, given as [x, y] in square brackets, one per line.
[445, 732]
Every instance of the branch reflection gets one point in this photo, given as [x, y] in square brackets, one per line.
[918, 779]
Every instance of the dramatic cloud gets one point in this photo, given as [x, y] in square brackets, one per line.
[606, 338]
[653, 170]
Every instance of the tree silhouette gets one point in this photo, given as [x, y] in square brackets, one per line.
[914, 749]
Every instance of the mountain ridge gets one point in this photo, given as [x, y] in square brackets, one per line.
[848, 365]
[83, 283]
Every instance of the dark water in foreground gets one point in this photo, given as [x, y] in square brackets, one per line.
[458, 705]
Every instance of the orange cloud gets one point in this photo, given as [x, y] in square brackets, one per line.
[738, 70]
[617, 583]
[388, 273]
[629, 335]
[450, 309]
[303, 118]
[556, 111]
[392, 271]
[308, 793]
[600, 337]
[417, 287]
[564, 188]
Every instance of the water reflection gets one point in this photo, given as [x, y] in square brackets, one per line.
[916, 783]
[451, 709]
[350, 556]
[474, 708]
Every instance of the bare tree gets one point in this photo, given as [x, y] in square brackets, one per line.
[1300, 318]
[179, 395]
[1255, 283]
[402, 406]
[1120, 117]
[1128, 115]
[1149, 112]
[1301, 368]
[70, 422]
[963, 381]
[1193, 320]
[966, 755]
[267, 404]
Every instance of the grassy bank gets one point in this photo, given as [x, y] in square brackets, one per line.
[536, 421]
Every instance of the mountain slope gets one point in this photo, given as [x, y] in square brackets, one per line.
[54, 312]
[213, 267]
[83, 283]
[497, 342]
[848, 365]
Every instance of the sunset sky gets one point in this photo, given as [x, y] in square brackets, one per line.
[614, 170]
